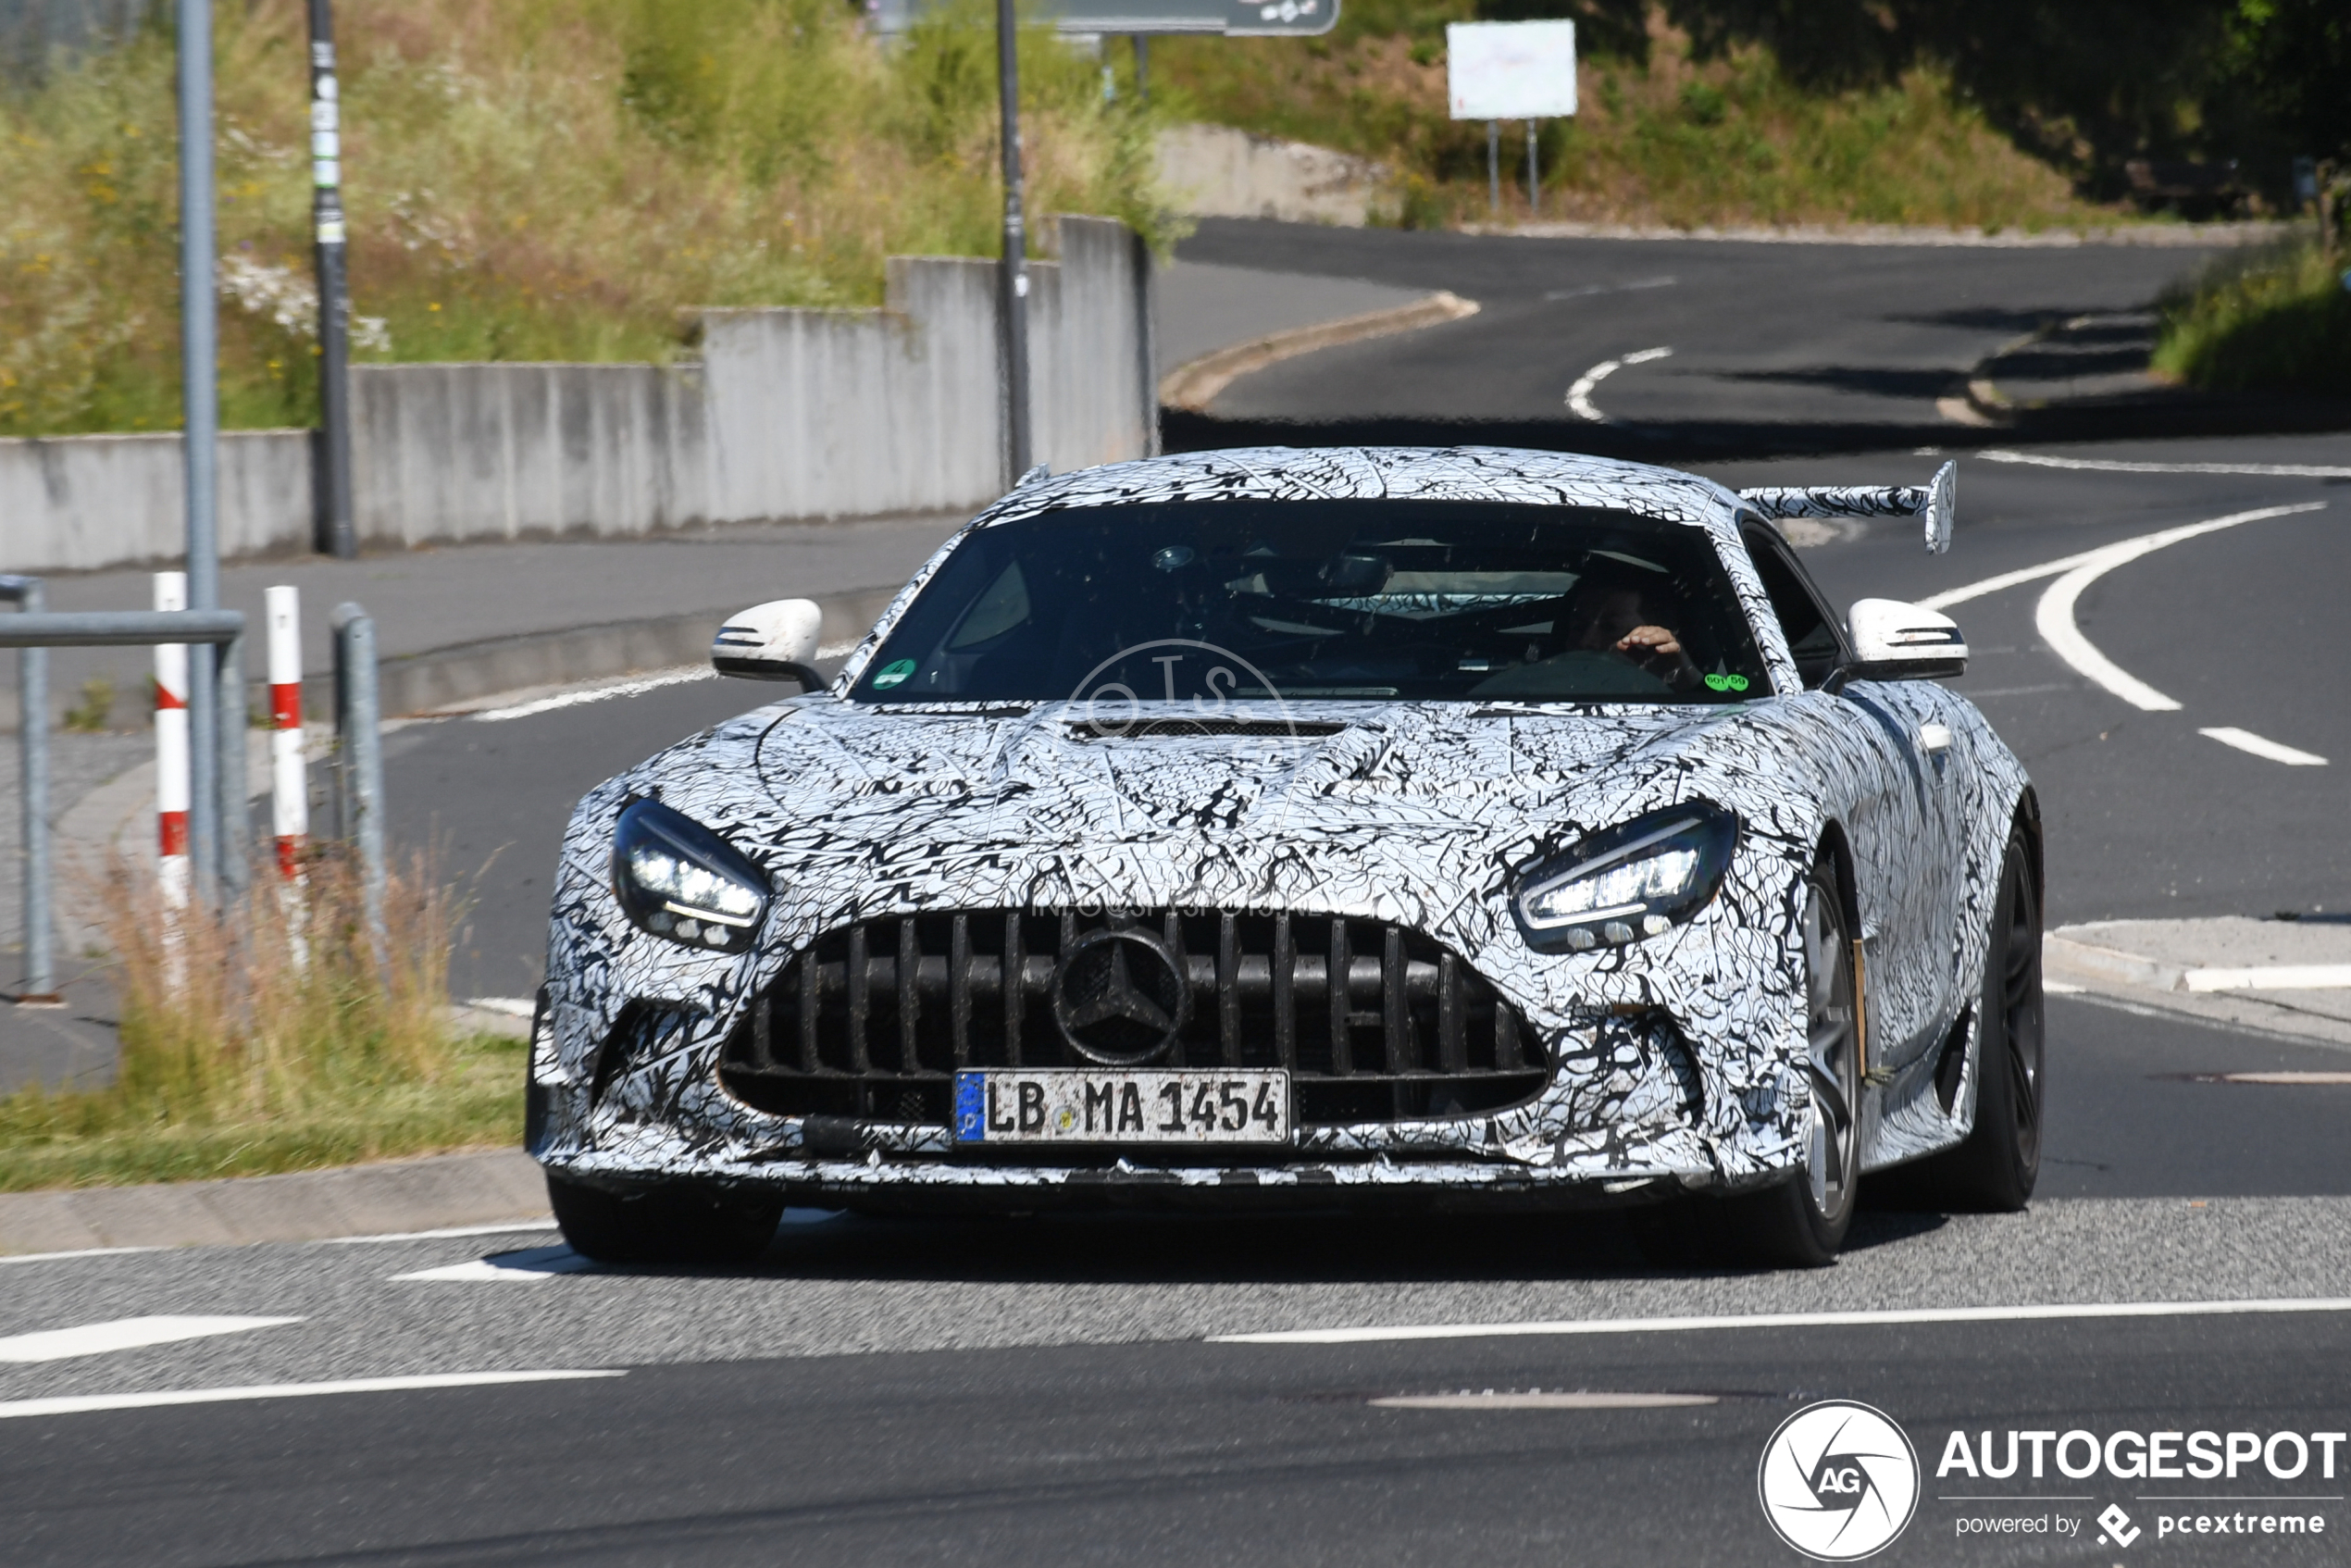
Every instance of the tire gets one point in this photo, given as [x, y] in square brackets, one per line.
[665, 1225]
[1996, 1166]
[1802, 1222]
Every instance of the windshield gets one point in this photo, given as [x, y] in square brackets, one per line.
[1417, 600]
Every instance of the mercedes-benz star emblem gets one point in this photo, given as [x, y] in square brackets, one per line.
[1120, 996]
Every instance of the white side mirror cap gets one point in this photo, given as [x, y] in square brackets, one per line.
[1897, 641]
[772, 641]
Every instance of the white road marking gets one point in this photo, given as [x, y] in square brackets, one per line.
[2068, 563]
[2272, 977]
[2053, 617]
[124, 1333]
[1893, 1317]
[2288, 1078]
[439, 1235]
[77, 1404]
[528, 1266]
[1579, 396]
[2245, 740]
[631, 688]
[1490, 1399]
[81, 1252]
[1590, 289]
[512, 1006]
[2113, 466]
[596, 694]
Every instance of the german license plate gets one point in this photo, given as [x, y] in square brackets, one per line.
[1085, 1106]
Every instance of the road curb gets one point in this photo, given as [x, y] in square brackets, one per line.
[433, 1192]
[1193, 385]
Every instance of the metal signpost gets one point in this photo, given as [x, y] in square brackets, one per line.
[1087, 20]
[335, 535]
[1014, 275]
[1495, 71]
[200, 397]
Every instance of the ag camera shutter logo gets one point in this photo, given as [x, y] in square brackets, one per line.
[1840, 1481]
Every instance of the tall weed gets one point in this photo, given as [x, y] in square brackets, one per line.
[524, 179]
[268, 1035]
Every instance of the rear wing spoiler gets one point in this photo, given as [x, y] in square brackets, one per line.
[1933, 501]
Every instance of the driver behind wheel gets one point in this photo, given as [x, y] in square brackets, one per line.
[1621, 609]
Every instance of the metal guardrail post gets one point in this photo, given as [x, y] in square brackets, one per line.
[359, 793]
[35, 630]
[40, 982]
[236, 814]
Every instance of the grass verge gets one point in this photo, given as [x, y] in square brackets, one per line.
[2273, 320]
[270, 1037]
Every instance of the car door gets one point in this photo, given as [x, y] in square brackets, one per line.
[1899, 820]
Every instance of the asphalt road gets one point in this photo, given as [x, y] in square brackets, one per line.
[1050, 1389]
[1772, 345]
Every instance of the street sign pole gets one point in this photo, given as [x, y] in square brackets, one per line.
[200, 402]
[334, 530]
[1534, 184]
[1494, 166]
[1014, 274]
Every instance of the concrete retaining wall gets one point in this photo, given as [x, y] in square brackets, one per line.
[790, 413]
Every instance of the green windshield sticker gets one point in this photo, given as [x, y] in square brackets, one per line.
[1726, 682]
[895, 675]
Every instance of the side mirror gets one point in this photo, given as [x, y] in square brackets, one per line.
[772, 641]
[1897, 641]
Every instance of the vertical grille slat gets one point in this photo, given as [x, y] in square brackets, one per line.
[959, 987]
[1337, 981]
[910, 994]
[1016, 986]
[1285, 993]
[1396, 1018]
[1228, 989]
[860, 1000]
[812, 1006]
[874, 1017]
[1453, 1042]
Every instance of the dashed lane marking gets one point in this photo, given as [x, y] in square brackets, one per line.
[1579, 396]
[1745, 1321]
[124, 1333]
[2245, 740]
[77, 1404]
[2116, 465]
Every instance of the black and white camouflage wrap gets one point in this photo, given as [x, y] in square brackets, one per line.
[1419, 813]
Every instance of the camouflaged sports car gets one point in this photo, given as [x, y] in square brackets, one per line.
[1312, 827]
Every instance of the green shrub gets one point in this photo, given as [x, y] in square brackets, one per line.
[2272, 319]
[1664, 136]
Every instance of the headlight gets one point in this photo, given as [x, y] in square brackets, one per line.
[1636, 879]
[679, 880]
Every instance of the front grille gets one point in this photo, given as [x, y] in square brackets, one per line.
[872, 1020]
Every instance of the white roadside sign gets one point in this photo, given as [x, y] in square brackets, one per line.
[1510, 71]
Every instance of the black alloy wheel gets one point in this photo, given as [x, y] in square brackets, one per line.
[1802, 1222]
[1996, 1166]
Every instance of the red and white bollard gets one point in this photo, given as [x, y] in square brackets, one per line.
[171, 747]
[288, 784]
